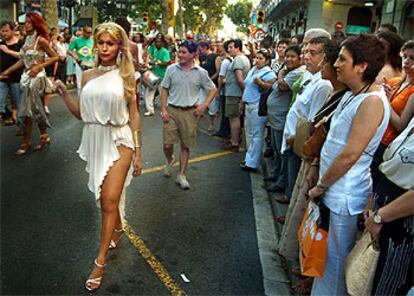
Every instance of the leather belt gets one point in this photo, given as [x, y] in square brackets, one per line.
[184, 108]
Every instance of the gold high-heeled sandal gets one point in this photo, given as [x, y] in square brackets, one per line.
[112, 243]
[44, 140]
[94, 281]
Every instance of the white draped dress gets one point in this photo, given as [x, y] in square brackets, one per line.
[105, 113]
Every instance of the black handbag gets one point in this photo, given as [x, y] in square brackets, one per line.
[263, 102]
[264, 94]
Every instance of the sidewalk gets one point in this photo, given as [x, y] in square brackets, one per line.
[277, 276]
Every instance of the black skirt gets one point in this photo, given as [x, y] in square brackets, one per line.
[394, 273]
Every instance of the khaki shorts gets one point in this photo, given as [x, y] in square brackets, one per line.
[182, 127]
[232, 106]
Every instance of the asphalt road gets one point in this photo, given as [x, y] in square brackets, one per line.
[50, 224]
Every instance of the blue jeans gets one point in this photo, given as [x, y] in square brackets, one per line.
[293, 164]
[280, 170]
[5, 88]
[255, 132]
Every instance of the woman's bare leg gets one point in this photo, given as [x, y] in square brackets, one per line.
[111, 190]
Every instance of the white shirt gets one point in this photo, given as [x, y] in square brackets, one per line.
[61, 49]
[307, 104]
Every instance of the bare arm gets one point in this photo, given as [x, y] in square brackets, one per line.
[210, 96]
[53, 57]
[8, 51]
[13, 68]
[400, 122]
[135, 124]
[364, 127]
[74, 106]
[239, 78]
[264, 84]
[164, 97]
[283, 86]
[401, 207]
[217, 63]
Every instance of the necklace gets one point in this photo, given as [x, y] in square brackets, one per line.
[107, 68]
[363, 89]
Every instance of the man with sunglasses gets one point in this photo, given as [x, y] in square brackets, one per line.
[181, 107]
[81, 49]
[311, 96]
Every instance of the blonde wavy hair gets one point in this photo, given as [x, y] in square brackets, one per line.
[126, 67]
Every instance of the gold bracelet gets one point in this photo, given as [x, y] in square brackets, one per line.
[137, 138]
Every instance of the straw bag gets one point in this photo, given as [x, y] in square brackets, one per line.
[360, 266]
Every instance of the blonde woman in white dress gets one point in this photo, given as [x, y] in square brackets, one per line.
[111, 143]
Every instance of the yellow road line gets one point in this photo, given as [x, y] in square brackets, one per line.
[193, 160]
[153, 262]
[145, 252]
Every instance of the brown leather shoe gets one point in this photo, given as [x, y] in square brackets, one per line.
[282, 200]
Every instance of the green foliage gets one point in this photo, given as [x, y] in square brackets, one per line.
[199, 15]
[239, 13]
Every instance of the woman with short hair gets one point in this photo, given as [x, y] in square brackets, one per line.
[356, 129]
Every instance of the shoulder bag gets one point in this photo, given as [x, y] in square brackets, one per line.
[264, 94]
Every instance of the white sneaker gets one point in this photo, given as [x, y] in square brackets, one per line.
[182, 181]
[168, 167]
[47, 111]
[149, 113]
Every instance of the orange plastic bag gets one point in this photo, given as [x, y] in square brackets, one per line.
[313, 240]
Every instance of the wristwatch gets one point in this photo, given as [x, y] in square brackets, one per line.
[319, 185]
[377, 218]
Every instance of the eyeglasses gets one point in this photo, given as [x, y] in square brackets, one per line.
[88, 32]
[312, 52]
[303, 86]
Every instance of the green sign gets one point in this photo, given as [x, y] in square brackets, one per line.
[356, 29]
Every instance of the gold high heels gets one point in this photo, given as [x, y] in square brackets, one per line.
[44, 140]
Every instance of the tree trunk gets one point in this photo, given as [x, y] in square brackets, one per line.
[50, 12]
[165, 16]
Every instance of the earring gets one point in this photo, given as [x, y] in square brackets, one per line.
[119, 59]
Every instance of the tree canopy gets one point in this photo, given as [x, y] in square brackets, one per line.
[239, 13]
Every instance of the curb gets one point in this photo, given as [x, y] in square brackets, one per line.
[275, 278]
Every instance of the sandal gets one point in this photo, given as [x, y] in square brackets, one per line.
[24, 147]
[44, 140]
[114, 244]
[303, 287]
[95, 283]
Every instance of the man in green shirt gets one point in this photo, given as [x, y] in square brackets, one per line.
[82, 51]
[159, 58]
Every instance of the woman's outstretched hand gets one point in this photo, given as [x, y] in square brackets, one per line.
[137, 163]
[60, 88]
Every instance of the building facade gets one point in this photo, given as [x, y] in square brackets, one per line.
[349, 16]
